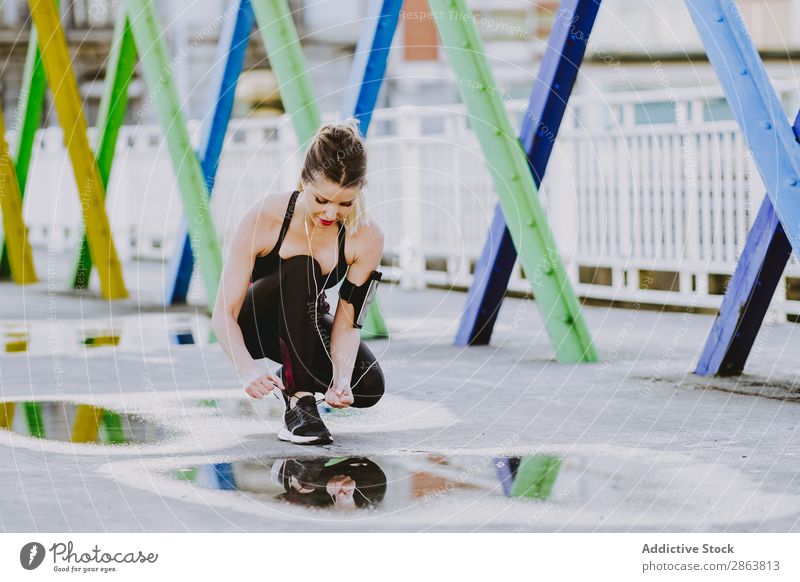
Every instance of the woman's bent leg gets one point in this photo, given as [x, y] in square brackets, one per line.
[304, 347]
[281, 320]
[367, 381]
[258, 318]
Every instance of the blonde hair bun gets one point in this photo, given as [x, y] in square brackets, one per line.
[337, 154]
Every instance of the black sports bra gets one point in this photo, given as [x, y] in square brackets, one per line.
[268, 264]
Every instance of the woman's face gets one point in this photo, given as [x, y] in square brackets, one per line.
[327, 202]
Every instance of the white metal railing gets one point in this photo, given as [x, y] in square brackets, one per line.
[649, 195]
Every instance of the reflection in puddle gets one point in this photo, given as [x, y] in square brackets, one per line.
[99, 340]
[16, 341]
[358, 482]
[185, 337]
[135, 333]
[77, 423]
[528, 476]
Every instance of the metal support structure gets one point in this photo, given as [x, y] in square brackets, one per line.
[535, 477]
[67, 100]
[274, 19]
[369, 61]
[532, 477]
[758, 274]
[29, 114]
[35, 419]
[217, 476]
[516, 189]
[505, 468]
[115, 432]
[231, 51]
[363, 86]
[776, 152]
[19, 250]
[750, 290]
[119, 72]
[147, 33]
[7, 415]
[548, 100]
[86, 425]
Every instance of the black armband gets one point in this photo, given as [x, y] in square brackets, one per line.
[360, 297]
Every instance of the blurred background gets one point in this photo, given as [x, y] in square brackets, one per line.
[650, 190]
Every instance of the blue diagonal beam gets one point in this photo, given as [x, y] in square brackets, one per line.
[747, 299]
[776, 152]
[755, 105]
[749, 293]
[548, 101]
[363, 86]
[502, 466]
[228, 65]
[369, 62]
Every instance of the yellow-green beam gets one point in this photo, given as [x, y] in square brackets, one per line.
[7, 414]
[87, 424]
[19, 249]
[67, 101]
[29, 114]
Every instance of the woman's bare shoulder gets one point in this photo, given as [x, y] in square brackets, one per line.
[270, 207]
[367, 241]
[266, 212]
[261, 222]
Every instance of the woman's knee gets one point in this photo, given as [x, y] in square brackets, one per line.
[370, 386]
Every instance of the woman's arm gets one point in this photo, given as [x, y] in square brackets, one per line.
[345, 338]
[232, 290]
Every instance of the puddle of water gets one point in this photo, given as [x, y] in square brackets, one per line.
[135, 333]
[78, 423]
[351, 483]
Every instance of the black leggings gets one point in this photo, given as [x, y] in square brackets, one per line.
[283, 319]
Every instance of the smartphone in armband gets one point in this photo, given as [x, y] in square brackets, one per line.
[360, 297]
[372, 282]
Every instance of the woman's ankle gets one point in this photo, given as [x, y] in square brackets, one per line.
[297, 396]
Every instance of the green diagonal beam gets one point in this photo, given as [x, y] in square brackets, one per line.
[115, 433]
[513, 182]
[536, 477]
[33, 413]
[119, 71]
[275, 24]
[279, 34]
[158, 72]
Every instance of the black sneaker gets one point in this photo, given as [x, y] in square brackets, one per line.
[303, 424]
